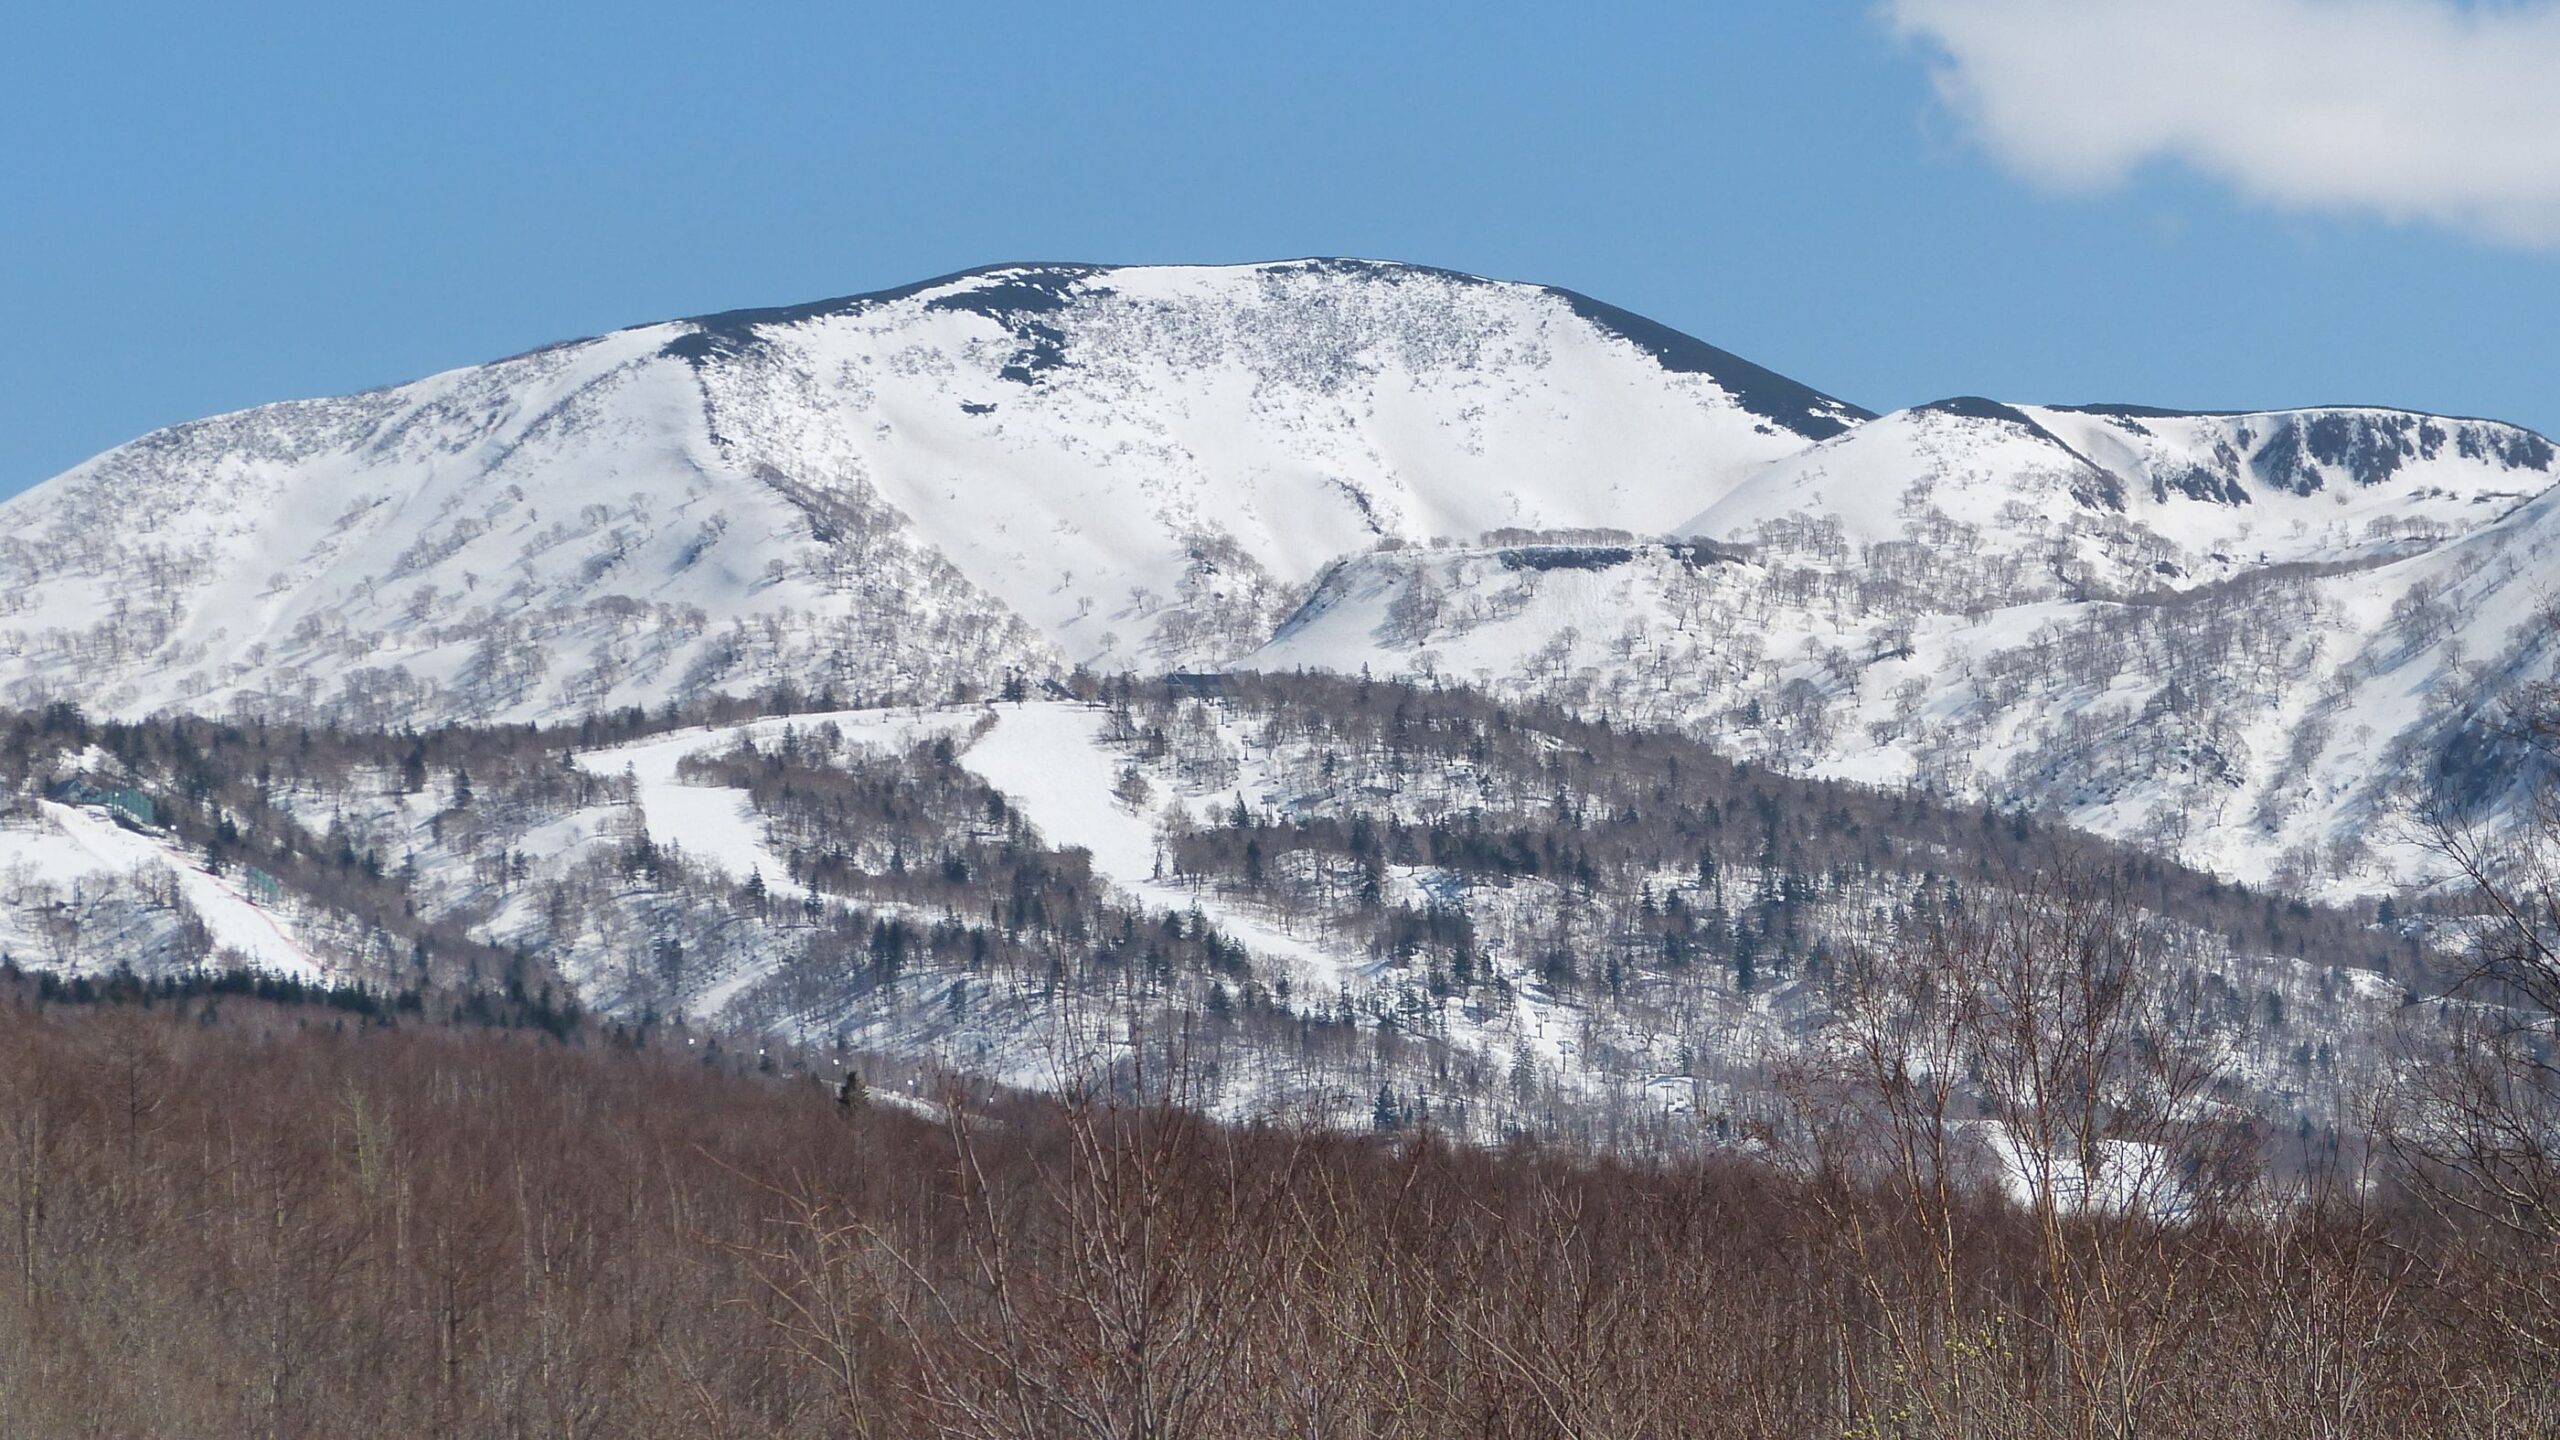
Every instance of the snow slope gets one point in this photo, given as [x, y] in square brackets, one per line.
[894, 494]
[711, 826]
[1051, 762]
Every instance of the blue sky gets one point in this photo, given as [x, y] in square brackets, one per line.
[203, 208]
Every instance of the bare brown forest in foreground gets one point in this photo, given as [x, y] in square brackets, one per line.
[288, 1221]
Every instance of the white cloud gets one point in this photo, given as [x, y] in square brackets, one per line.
[2409, 109]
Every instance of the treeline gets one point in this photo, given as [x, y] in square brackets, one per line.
[295, 1223]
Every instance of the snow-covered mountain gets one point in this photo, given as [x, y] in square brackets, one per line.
[2225, 635]
[895, 494]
